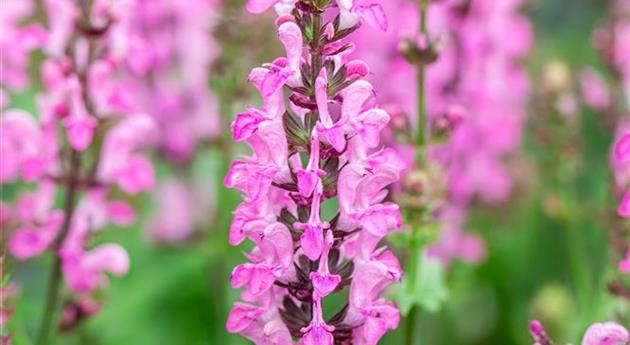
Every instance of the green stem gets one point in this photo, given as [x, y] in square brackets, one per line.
[421, 144]
[46, 328]
[421, 135]
[411, 326]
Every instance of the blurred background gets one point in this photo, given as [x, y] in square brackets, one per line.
[549, 254]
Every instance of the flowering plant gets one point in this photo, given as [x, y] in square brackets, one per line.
[84, 145]
[331, 121]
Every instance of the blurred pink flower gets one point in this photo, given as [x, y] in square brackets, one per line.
[174, 220]
[594, 89]
[84, 271]
[17, 43]
[608, 333]
[86, 96]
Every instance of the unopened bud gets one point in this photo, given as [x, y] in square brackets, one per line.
[556, 76]
[419, 50]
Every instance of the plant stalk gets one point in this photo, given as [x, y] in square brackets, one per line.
[421, 145]
[53, 295]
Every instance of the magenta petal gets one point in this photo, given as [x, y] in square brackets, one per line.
[241, 316]
[324, 284]
[80, 131]
[110, 258]
[374, 14]
[312, 241]
[259, 6]
[317, 335]
[121, 213]
[245, 125]
[307, 180]
[261, 280]
[136, 176]
[28, 242]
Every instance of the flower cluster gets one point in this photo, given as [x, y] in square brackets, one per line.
[475, 91]
[171, 50]
[84, 145]
[613, 48]
[607, 333]
[17, 43]
[320, 145]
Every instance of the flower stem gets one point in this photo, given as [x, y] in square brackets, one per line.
[411, 326]
[46, 328]
[421, 145]
[421, 135]
[316, 58]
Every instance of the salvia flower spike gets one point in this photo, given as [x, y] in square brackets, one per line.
[322, 144]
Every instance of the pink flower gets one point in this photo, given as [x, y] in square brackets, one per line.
[381, 317]
[62, 25]
[84, 271]
[594, 89]
[332, 133]
[136, 175]
[608, 333]
[256, 278]
[370, 11]
[259, 6]
[174, 221]
[17, 43]
[29, 242]
[85, 96]
[299, 257]
[241, 316]
[539, 334]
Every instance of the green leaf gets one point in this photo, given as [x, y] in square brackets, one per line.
[427, 290]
